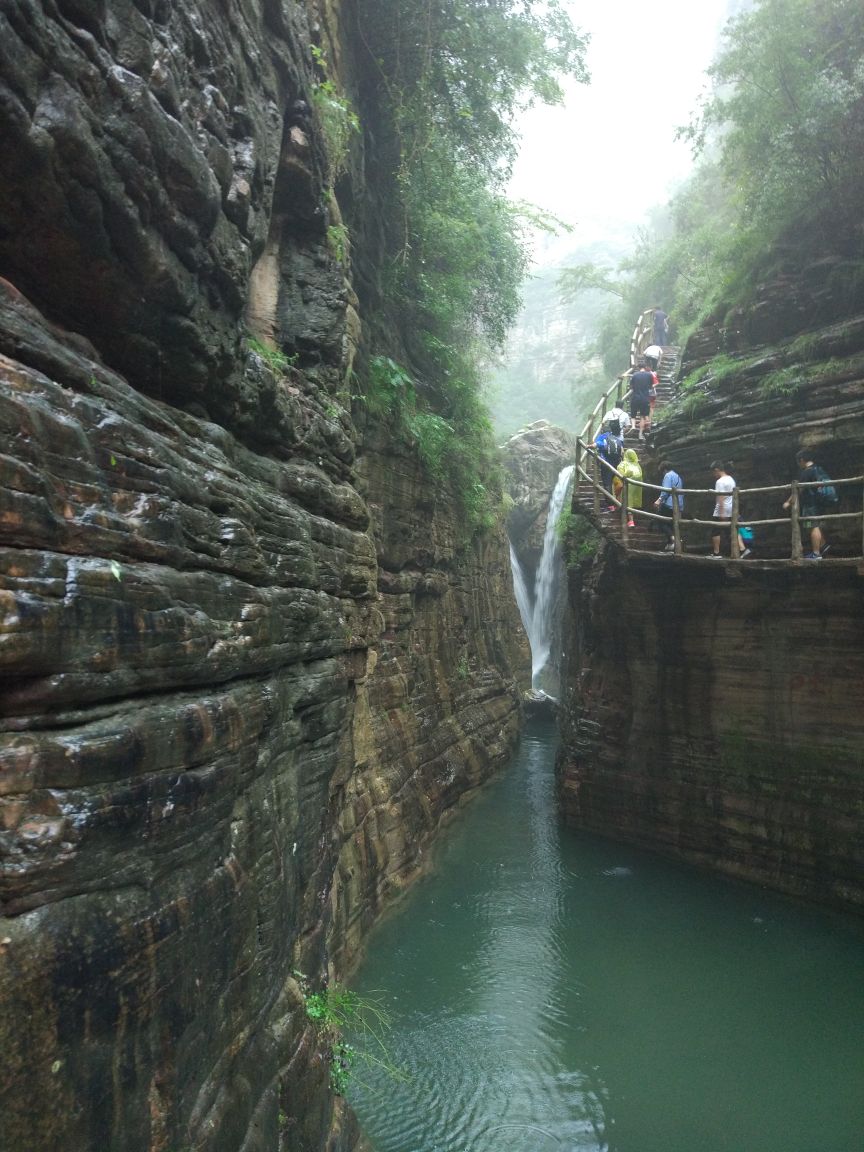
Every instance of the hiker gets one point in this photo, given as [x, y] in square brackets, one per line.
[663, 503]
[745, 541]
[661, 327]
[610, 449]
[724, 486]
[641, 384]
[813, 502]
[631, 470]
[652, 356]
[618, 420]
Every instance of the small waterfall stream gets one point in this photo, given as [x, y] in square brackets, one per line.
[537, 612]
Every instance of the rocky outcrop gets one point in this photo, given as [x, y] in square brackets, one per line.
[249, 663]
[533, 459]
[712, 712]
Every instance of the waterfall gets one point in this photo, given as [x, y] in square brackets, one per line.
[538, 613]
[523, 596]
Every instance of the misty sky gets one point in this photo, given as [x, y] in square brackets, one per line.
[610, 155]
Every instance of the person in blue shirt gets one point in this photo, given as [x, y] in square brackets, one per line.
[610, 449]
[663, 503]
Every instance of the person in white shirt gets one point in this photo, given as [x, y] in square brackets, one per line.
[652, 356]
[622, 418]
[724, 486]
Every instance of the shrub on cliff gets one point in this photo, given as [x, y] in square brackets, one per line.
[444, 82]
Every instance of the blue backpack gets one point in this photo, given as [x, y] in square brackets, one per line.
[826, 492]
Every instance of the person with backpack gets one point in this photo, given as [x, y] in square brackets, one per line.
[618, 420]
[671, 480]
[610, 450]
[814, 502]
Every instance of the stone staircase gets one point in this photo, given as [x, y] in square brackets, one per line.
[642, 536]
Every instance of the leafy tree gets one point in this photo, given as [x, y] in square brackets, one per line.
[788, 109]
[780, 178]
[447, 78]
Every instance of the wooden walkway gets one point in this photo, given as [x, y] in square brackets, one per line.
[594, 501]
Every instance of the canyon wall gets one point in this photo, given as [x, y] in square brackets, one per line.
[250, 658]
[713, 710]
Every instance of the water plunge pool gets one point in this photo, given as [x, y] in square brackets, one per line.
[553, 991]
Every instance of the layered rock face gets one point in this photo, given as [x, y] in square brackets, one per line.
[714, 713]
[718, 718]
[246, 671]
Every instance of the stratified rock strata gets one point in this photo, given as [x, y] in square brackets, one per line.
[248, 660]
[713, 710]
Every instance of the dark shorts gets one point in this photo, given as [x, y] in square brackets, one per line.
[721, 528]
[811, 523]
[640, 406]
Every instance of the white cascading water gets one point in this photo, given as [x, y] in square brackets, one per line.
[537, 617]
[523, 596]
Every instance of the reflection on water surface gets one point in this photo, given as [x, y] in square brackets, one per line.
[550, 991]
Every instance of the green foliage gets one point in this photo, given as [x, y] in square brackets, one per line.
[780, 179]
[337, 241]
[336, 1010]
[582, 541]
[450, 75]
[691, 404]
[457, 452]
[338, 120]
[572, 282]
[562, 526]
[720, 368]
[789, 101]
[783, 382]
[273, 357]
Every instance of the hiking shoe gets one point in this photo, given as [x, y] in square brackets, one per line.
[812, 556]
[631, 523]
[745, 554]
[669, 547]
[716, 556]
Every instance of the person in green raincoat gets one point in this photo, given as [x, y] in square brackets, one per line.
[631, 469]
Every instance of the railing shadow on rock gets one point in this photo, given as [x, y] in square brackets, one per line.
[594, 473]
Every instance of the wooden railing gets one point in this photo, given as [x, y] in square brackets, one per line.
[643, 335]
[621, 393]
[590, 469]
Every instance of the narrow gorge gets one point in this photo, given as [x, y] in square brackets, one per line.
[276, 608]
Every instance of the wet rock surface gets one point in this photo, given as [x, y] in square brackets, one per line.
[533, 459]
[248, 661]
[714, 715]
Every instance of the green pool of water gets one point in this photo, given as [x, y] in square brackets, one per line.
[550, 991]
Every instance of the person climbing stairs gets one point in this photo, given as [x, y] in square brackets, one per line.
[640, 535]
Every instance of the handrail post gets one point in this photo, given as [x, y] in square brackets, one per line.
[619, 392]
[676, 524]
[595, 470]
[733, 527]
[862, 521]
[795, 520]
[625, 500]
